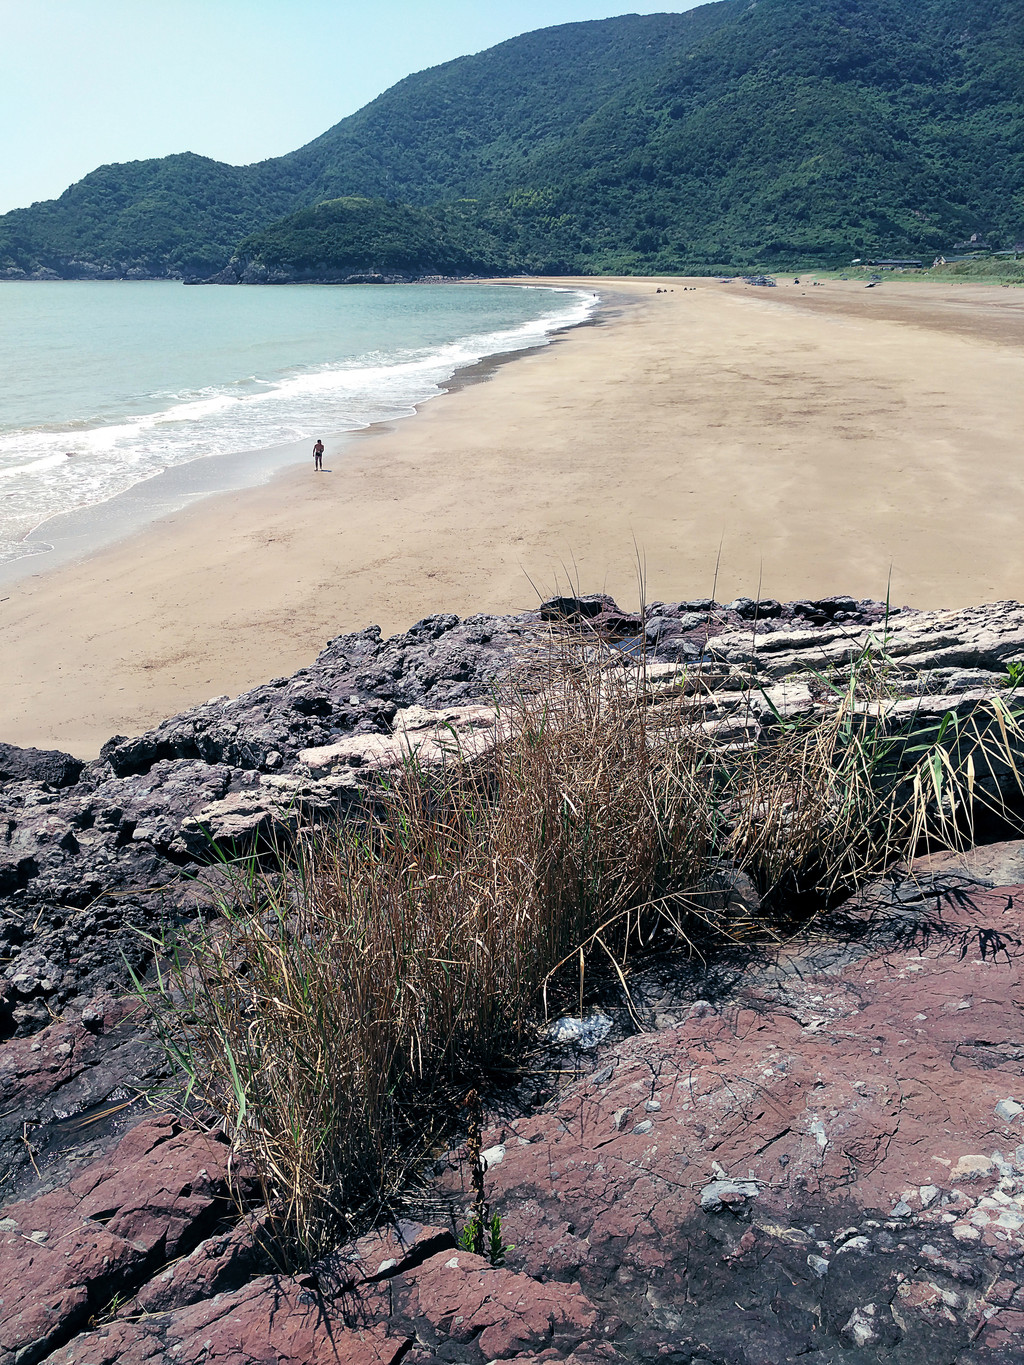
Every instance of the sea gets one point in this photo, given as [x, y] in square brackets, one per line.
[108, 389]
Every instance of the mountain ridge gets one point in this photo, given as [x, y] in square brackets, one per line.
[768, 132]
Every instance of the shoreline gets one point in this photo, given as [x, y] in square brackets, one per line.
[64, 538]
[810, 444]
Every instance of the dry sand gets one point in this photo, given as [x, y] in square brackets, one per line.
[822, 437]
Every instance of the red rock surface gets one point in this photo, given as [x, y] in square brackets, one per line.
[459, 1298]
[821, 1165]
[271, 1321]
[63, 1075]
[69, 1252]
[836, 1098]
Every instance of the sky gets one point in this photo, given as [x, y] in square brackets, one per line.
[84, 82]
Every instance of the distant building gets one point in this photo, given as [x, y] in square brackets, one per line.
[974, 243]
[895, 265]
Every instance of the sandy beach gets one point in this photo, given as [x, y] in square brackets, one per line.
[816, 438]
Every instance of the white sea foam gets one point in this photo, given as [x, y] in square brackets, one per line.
[51, 468]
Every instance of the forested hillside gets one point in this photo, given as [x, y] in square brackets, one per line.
[772, 131]
[355, 236]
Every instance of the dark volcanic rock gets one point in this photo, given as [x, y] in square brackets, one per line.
[83, 866]
[48, 766]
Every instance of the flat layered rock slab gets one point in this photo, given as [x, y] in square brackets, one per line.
[986, 637]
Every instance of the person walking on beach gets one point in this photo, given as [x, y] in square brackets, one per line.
[318, 454]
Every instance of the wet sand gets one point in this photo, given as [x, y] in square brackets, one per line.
[811, 440]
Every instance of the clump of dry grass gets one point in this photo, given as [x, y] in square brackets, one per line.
[828, 801]
[346, 997]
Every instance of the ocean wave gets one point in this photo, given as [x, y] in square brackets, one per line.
[46, 470]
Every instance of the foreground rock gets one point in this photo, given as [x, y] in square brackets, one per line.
[79, 1249]
[824, 1162]
[827, 1164]
[817, 1156]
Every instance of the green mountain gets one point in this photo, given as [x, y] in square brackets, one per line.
[748, 131]
[353, 236]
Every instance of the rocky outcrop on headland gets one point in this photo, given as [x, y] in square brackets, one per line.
[818, 1153]
[257, 272]
[89, 849]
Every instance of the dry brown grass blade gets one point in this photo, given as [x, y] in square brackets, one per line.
[356, 988]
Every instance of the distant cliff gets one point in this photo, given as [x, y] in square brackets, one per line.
[776, 131]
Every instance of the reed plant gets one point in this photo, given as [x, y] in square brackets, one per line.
[347, 992]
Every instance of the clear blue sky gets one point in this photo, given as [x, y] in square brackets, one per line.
[83, 82]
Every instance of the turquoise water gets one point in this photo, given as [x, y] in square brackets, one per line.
[106, 385]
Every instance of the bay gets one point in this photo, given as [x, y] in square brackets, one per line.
[106, 385]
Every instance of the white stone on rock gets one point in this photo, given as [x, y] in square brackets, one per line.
[582, 1033]
[972, 1166]
[860, 1326]
[711, 1196]
[964, 1232]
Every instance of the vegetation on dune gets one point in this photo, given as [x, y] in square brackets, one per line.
[981, 271]
[351, 989]
[780, 132]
